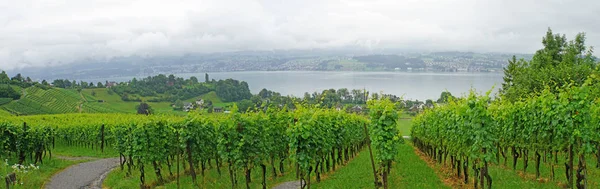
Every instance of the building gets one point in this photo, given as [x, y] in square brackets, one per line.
[200, 102]
[188, 106]
[356, 109]
[110, 84]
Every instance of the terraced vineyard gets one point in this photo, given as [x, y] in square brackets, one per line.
[53, 101]
[5, 100]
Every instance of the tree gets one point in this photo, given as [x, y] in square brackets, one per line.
[264, 93]
[6, 91]
[429, 102]
[83, 84]
[344, 95]
[178, 105]
[133, 82]
[193, 80]
[67, 84]
[557, 64]
[206, 78]
[59, 83]
[245, 105]
[44, 82]
[445, 97]
[144, 108]
[375, 96]
[99, 85]
[17, 78]
[208, 103]
[4, 78]
[91, 85]
[307, 97]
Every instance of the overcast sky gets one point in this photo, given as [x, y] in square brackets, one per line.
[51, 32]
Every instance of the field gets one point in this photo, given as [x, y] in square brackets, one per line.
[114, 101]
[54, 101]
[212, 96]
[58, 101]
[411, 168]
[225, 148]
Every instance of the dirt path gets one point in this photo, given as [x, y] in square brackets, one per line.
[83, 175]
[288, 185]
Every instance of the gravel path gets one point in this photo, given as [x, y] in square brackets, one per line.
[288, 185]
[83, 175]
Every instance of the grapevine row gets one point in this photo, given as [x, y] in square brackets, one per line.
[477, 130]
[316, 140]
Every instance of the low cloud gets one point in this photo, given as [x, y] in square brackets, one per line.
[36, 33]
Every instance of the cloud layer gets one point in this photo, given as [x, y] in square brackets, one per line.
[52, 32]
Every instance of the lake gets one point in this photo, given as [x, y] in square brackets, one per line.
[411, 85]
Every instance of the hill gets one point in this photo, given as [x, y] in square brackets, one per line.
[212, 96]
[4, 113]
[36, 100]
[113, 101]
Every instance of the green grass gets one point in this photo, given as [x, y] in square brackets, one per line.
[118, 179]
[113, 101]
[212, 96]
[502, 171]
[408, 172]
[49, 167]
[505, 177]
[404, 126]
[37, 178]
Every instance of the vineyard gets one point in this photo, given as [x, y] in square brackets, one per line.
[313, 140]
[54, 101]
[5, 100]
[555, 129]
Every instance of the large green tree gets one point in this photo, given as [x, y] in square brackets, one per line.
[4, 78]
[560, 62]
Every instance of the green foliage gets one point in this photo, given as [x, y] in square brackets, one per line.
[384, 130]
[5, 100]
[384, 135]
[6, 91]
[445, 97]
[559, 63]
[4, 78]
[232, 90]
[144, 108]
[562, 121]
[54, 101]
